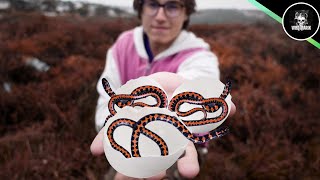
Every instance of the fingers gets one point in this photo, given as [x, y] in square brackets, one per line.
[188, 165]
[120, 176]
[233, 109]
[96, 147]
[168, 81]
[159, 176]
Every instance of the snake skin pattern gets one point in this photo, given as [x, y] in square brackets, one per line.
[209, 105]
[139, 128]
[122, 100]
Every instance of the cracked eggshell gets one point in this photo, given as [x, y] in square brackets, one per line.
[209, 88]
[151, 162]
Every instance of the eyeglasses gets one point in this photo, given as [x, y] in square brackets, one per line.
[171, 8]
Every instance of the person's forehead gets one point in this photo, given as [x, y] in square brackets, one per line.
[164, 1]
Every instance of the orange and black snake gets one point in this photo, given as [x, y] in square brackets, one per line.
[139, 128]
[209, 105]
[122, 100]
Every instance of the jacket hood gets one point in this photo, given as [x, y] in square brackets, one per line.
[185, 40]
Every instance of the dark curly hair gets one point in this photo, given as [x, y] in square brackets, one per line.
[190, 6]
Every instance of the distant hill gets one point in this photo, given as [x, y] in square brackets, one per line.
[222, 16]
[59, 8]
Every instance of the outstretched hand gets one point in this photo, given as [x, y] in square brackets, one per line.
[188, 165]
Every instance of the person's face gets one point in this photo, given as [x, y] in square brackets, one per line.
[162, 20]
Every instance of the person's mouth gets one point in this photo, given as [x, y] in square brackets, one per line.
[160, 28]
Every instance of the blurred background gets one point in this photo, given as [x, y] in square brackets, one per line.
[53, 52]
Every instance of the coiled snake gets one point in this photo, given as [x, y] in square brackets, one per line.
[139, 128]
[122, 100]
[209, 105]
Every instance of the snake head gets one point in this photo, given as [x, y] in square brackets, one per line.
[107, 87]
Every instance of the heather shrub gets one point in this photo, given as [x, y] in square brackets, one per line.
[47, 118]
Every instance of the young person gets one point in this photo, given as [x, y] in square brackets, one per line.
[163, 49]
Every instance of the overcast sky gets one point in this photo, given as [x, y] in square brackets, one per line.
[201, 4]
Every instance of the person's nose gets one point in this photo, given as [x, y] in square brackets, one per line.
[161, 15]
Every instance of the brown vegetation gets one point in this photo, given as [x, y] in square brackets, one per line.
[46, 119]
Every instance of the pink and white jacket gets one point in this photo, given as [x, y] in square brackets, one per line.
[188, 56]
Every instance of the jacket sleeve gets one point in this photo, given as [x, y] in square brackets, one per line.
[203, 63]
[111, 73]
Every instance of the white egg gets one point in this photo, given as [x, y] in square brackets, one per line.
[207, 87]
[151, 162]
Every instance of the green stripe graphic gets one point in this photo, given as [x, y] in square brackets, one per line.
[279, 19]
